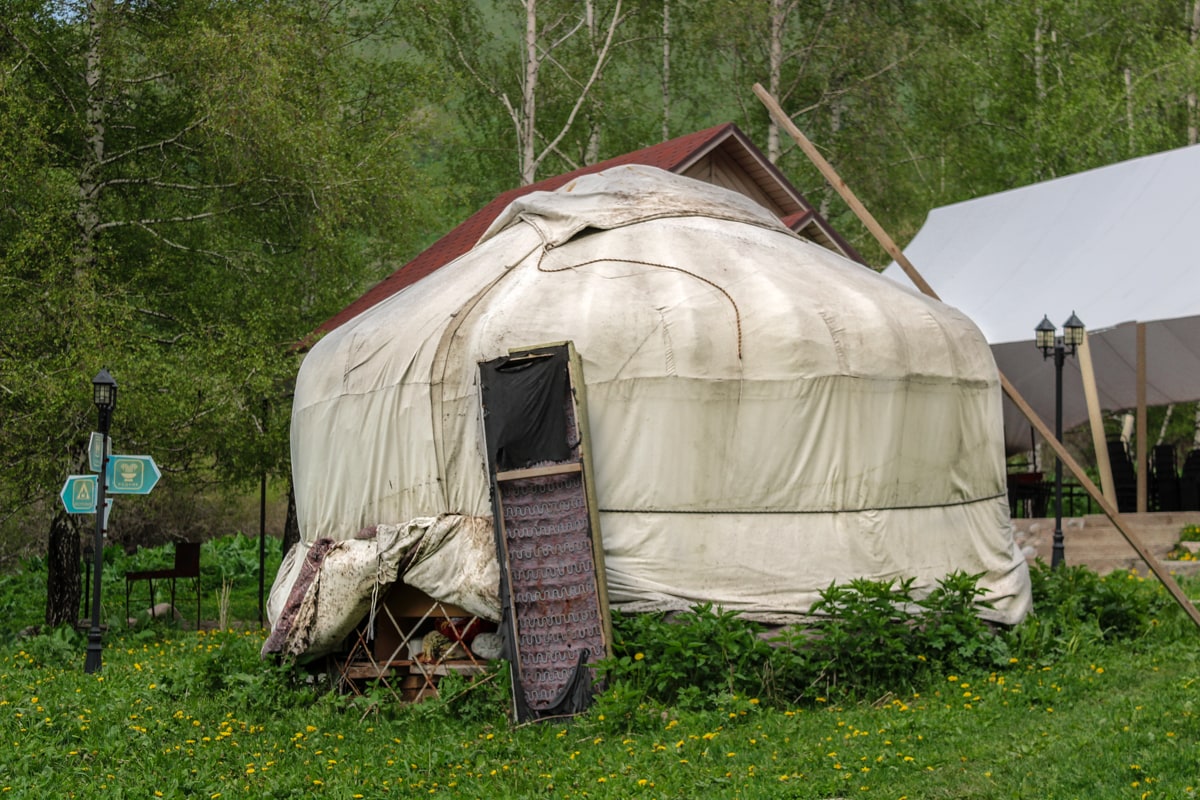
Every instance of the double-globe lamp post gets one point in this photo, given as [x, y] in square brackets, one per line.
[1060, 347]
[104, 394]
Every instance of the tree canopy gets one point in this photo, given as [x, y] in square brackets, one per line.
[188, 188]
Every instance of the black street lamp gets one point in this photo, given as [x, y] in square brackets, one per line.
[104, 394]
[1060, 347]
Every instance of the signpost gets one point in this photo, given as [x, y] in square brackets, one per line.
[131, 474]
[83, 494]
[79, 494]
[96, 449]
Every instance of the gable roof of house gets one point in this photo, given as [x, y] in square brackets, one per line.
[685, 155]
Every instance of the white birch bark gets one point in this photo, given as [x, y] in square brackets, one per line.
[666, 70]
[1194, 119]
[526, 115]
[87, 214]
[779, 12]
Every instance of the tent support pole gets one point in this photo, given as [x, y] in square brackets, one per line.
[889, 245]
[1099, 440]
[1143, 470]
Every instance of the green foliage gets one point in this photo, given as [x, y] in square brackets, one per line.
[263, 163]
[871, 637]
[951, 634]
[54, 649]
[187, 191]
[876, 637]
[1085, 723]
[229, 558]
[1075, 609]
[235, 670]
[688, 658]
[483, 699]
[868, 635]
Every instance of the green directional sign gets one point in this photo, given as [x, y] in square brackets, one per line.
[79, 494]
[96, 451]
[131, 474]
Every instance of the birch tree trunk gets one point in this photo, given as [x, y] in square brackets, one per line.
[666, 70]
[779, 13]
[595, 114]
[1039, 83]
[87, 214]
[1129, 108]
[63, 567]
[527, 112]
[1193, 132]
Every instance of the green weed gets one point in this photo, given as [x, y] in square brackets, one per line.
[177, 713]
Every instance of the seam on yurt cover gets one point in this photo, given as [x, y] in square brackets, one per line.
[914, 507]
[441, 362]
[668, 345]
[737, 314]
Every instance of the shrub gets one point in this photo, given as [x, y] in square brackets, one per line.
[1074, 608]
[867, 641]
[690, 657]
[951, 634]
[875, 636]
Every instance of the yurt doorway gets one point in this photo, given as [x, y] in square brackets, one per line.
[552, 588]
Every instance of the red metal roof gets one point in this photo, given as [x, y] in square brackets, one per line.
[672, 156]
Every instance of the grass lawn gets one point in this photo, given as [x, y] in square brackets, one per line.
[180, 713]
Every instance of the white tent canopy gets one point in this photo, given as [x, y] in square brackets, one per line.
[766, 416]
[1115, 245]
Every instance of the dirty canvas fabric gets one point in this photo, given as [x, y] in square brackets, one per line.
[333, 584]
[766, 417]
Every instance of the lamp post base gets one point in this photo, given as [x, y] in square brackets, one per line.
[1057, 553]
[94, 649]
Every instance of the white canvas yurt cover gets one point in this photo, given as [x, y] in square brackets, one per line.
[766, 417]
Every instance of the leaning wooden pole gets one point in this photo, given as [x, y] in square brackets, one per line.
[889, 245]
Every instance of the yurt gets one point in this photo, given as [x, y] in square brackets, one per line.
[766, 417]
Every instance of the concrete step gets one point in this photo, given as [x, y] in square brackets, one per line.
[1095, 542]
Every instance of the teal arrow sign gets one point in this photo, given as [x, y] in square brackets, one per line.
[96, 450]
[131, 474]
[79, 494]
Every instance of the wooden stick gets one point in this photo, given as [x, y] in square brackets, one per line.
[1109, 509]
[1099, 441]
[840, 186]
[882, 237]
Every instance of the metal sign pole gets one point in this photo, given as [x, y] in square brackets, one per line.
[95, 646]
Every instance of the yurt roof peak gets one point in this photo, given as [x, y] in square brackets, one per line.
[722, 155]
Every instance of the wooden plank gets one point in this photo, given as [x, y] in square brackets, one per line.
[1109, 509]
[1096, 420]
[446, 667]
[371, 670]
[579, 394]
[539, 472]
